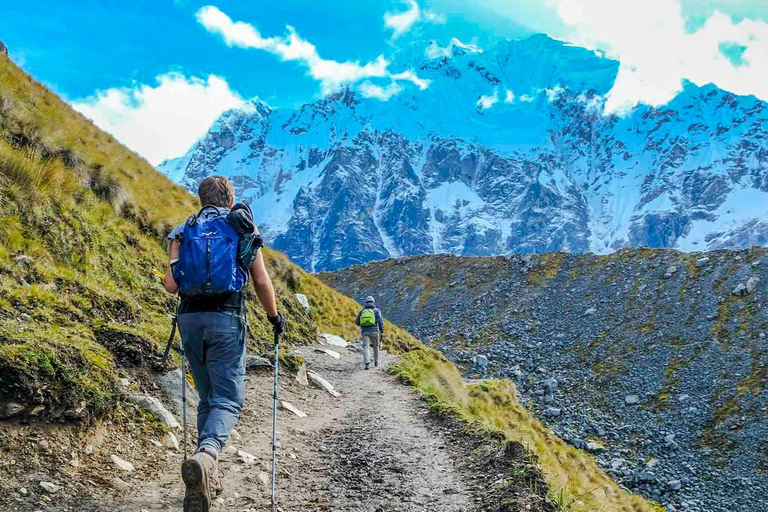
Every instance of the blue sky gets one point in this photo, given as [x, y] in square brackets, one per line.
[156, 73]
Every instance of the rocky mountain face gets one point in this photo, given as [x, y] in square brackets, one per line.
[493, 152]
[654, 360]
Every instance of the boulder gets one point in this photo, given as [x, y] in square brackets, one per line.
[122, 463]
[590, 311]
[322, 383]
[50, 487]
[301, 375]
[552, 412]
[752, 284]
[10, 409]
[701, 262]
[741, 289]
[170, 386]
[3, 48]
[169, 441]
[332, 339]
[670, 272]
[674, 485]
[153, 406]
[481, 361]
[631, 399]
[595, 447]
[303, 300]
[329, 352]
[292, 408]
[120, 484]
[256, 362]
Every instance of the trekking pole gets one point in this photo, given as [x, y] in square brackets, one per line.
[274, 422]
[183, 401]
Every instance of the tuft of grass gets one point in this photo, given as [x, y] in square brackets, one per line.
[574, 479]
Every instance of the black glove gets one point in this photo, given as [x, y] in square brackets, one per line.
[278, 323]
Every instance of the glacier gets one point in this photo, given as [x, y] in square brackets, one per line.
[495, 151]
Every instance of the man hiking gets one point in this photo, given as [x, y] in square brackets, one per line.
[211, 257]
[371, 329]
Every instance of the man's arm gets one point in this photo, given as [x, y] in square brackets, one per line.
[263, 285]
[357, 320]
[380, 321]
[169, 283]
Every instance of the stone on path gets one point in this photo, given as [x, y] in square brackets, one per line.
[170, 385]
[122, 464]
[264, 478]
[329, 352]
[247, 458]
[120, 484]
[295, 410]
[10, 409]
[255, 362]
[153, 406]
[50, 487]
[322, 383]
[631, 399]
[332, 339]
[301, 375]
[169, 441]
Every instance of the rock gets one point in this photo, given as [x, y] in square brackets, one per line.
[332, 339]
[122, 464]
[674, 485]
[75, 412]
[301, 375]
[549, 384]
[329, 352]
[23, 259]
[235, 436]
[590, 311]
[481, 361]
[264, 478]
[741, 289]
[170, 385]
[125, 382]
[303, 300]
[169, 441]
[552, 412]
[670, 272]
[120, 484]
[37, 410]
[594, 447]
[647, 477]
[322, 383]
[153, 406]
[3, 48]
[10, 409]
[256, 362]
[23, 491]
[50, 487]
[752, 284]
[295, 410]
[701, 262]
[631, 399]
[246, 458]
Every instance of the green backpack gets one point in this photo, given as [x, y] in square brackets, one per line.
[368, 318]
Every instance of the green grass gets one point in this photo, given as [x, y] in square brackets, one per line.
[575, 482]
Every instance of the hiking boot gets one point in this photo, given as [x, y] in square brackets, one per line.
[376, 364]
[367, 366]
[201, 476]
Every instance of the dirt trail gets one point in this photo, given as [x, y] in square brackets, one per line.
[375, 448]
[372, 449]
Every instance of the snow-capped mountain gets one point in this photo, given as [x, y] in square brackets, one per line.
[493, 152]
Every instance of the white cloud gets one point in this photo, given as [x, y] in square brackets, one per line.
[657, 53]
[291, 47]
[509, 97]
[435, 51]
[162, 121]
[486, 102]
[401, 22]
[527, 98]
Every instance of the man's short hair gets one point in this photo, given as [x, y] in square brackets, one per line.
[216, 191]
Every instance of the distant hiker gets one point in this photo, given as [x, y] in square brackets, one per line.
[372, 330]
[211, 256]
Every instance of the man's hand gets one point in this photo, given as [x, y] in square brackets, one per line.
[278, 323]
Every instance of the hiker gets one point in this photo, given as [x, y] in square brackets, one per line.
[371, 329]
[212, 255]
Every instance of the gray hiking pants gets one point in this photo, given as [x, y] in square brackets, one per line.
[370, 340]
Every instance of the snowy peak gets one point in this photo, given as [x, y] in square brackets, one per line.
[506, 150]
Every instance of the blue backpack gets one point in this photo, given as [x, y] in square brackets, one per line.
[208, 257]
